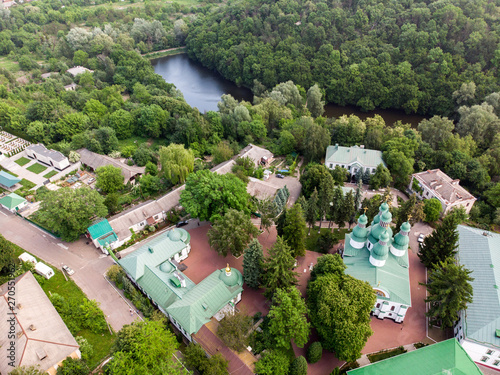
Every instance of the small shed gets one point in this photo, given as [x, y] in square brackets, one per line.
[25, 257]
[13, 202]
[44, 270]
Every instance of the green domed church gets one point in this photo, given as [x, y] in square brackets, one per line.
[374, 255]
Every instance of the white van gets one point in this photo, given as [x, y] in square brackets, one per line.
[44, 270]
[25, 257]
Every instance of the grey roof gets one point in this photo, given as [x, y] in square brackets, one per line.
[479, 252]
[78, 70]
[348, 155]
[251, 151]
[261, 189]
[50, 334]
[42, 150]
[95, 161]
[443, 186]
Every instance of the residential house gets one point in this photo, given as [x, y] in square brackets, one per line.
[374, 255]
[353, 158]
[437, 184]
[40, 336]
[102, 235]
[478, 328]
[94, 161]
[445, 357]
[7, 181]
[156, 270]
[13, 202]
[76, 70]
[48, 157]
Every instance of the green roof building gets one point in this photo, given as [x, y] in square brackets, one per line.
[478, 328]
[13, 202]
[7, 180]
[446, 357]
[372, 254]
[102, 235]
[154, 268]
[353, 158]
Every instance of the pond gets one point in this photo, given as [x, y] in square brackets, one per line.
[202, 88]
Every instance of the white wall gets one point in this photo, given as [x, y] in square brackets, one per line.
[391, 310]
[483, 354]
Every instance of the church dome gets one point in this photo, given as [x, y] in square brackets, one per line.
[166, 267]
[174, 235]
[401, 240]
[360, 233]
[232, 278]
[383, 208]
[386, 217]
[363, 220]
[406, 227]
[381, 250]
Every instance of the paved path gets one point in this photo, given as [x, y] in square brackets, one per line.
[87, 261]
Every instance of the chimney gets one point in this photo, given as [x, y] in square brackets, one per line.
[32, 327]
[455, 182]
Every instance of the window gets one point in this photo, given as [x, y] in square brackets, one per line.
[392, 308]
[378, 306]
[348, 167]
[489, 352]
[484, 359]
[331, 165]
[496, 363]
[142, 224]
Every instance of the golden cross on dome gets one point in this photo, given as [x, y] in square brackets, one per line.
[409, 217]
[365, 209]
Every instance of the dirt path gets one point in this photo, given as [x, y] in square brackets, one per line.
[164, 50]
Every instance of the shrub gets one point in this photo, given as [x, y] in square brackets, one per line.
[86, 349]
[299, 366]
[314, 352]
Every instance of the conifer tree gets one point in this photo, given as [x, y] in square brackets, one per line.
[348, 209]
[311, 209]
[253, 261]
[294, 232]
[278, 268]
[325, 197]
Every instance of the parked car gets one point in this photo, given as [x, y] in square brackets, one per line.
[421, 238]
[182, 223]
[279, 175]
[91, 179]
[68, 270]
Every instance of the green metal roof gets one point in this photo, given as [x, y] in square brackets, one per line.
[479, 251]
[8, 180]
[348, 155]
[154, 252]
[11, 201]
[99, 229]
[446, 357]
[108, 239]
[204, 301]
[394, 276]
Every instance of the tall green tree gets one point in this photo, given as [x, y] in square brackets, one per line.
[294, 232]
[313, 176]
[233, 330]
[314, 103]
[231, 233]
[311, 209]
[441, 244]
[72, 366]
[69, 212]
[6, 253]
[176, 163]
[316, 141]
[405, 210]
[287, 318]
[348, 208]
[145, 347]
[209, 195]
[273, 362]
[109, 179]
[278, 268]
[340, 307]
[450, 291]
[253, 262]
[267, 210]
[381, 179]
[432, 209]
[325, 198]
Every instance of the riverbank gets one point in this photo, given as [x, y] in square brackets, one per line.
[164, 52]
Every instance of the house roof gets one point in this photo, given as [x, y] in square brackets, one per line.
[261, 189]
[393, 277]
[42, 150]
[50, 335]
[78, 70]
[8, 180]
[99, 229]
[95, 161]
[12, 200]
[443, 186]
[202, 302]
[446, 357]
[348, 155]
[478, 251]
[155, 252]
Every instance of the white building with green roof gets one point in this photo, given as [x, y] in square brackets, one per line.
[445, 357]
[478, 328]
[102, 235]
[353, 158]
[13, 202]
[372, 254]
[154, 268]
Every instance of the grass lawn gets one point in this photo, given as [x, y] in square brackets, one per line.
[22, 161]
[26, 187]
[384, 354]
[313, 237]
[50, 174]
[101, 343]
[9, 64]
[137, 141]
[36, 168]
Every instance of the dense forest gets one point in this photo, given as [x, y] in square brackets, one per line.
[409, 55]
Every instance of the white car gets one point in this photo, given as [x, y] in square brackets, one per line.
[68, 270]
[421, 238]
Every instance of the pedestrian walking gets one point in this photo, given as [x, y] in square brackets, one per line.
[131, 312]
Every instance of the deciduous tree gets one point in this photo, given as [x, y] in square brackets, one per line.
[109, 179]
[381, 179]
[176, 163]
[432, 209]
[233, 330]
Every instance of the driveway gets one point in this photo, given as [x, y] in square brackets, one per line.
[89, 264]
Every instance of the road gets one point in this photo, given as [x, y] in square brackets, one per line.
[88, 263]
